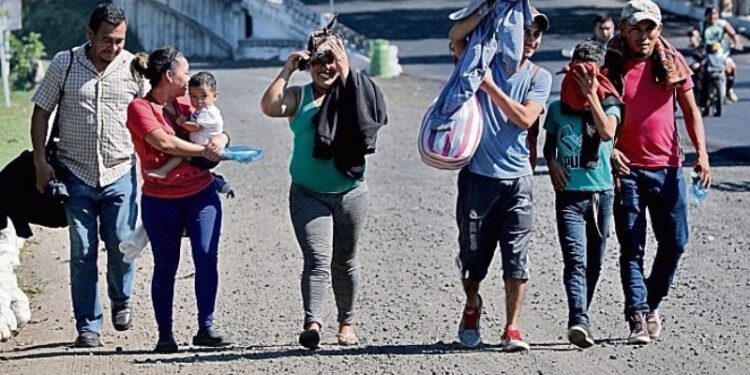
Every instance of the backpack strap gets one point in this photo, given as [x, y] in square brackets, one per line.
[55, 133]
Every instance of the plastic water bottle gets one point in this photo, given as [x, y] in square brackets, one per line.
[697, 191]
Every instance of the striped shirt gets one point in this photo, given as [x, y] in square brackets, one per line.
[95, 144]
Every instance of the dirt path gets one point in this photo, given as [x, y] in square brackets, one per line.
[410, 300]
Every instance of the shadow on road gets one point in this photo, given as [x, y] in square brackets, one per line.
[733, 187]
[72, 352]
[725, 157]
[264, 352]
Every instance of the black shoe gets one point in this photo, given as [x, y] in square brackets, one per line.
[210, 337]
[166, 344]
[122, 318]
[87, 340]
[310, 338]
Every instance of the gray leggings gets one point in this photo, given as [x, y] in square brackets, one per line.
[327, 227]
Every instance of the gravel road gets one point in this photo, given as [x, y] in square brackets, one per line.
[410, 299]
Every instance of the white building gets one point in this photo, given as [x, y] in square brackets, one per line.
[228, 29]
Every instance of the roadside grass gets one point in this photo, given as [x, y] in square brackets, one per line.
[14, 125]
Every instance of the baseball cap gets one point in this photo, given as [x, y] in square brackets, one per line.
[638, 10]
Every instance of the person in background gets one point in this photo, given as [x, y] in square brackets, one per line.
[713, 30]
[604, 30]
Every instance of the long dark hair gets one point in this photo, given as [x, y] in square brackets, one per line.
[154, 66]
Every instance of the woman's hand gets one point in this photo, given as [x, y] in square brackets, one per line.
[215, 147]
[292, 62]
[340, 60]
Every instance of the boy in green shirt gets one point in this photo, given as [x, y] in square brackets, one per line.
[580, 128]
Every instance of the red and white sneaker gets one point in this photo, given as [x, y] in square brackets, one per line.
[513, 340]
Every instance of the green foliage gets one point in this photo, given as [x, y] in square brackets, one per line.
[14, 125]
[63, 26]
[25, 60]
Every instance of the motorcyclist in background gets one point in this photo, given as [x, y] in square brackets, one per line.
[713, 30]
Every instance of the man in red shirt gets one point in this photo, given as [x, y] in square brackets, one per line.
[647, 159]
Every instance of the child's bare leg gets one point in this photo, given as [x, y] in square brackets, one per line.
[163, 171]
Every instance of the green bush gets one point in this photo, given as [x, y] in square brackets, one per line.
[26, 55]
[63, 26]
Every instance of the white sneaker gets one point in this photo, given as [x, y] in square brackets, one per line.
[732, 96]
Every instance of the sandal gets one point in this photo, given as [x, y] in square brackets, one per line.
[347, 339]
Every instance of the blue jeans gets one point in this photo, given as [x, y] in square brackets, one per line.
[109, 212]
[164, 220]
[583, 220]
[664, 193]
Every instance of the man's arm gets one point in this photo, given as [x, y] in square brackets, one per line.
[734, 35]
[696, 132]
[522, 115]
[461, 30]
[532, 137]
[557, 173]
[44, 171]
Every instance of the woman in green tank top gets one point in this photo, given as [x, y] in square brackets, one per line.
[327, 207]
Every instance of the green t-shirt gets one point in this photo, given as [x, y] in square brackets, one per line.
[568, 131]
[318, 175]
